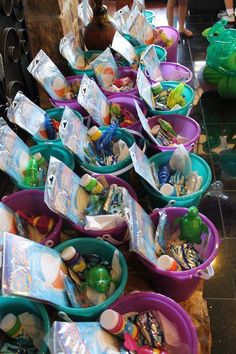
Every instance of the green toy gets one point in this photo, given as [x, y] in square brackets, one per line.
[191, 226]
[220, 69]
[98, 278]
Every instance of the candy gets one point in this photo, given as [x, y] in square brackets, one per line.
[164, 174]
[185, 255]
[150, 329]
[98, 278]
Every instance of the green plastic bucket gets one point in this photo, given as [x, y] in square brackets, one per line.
[120, 169]
[47, 150]
[17, 305]
[89, 72]
[149, 16]
[105, 250]
[198, 164]
[55, 113]
[161, 52]
[188, 93]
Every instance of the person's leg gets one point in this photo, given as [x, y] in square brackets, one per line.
[229, 13]
[170, 12]
[182, 12]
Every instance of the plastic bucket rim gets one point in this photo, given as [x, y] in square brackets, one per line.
[119, 228]
[174, 30]
[108, 301]
[195, 194]
[42, 146]
[165, 63]
[127, 161]
[38, 192]
[180, 116]
[179, 311]
[176, 83]
[206, 263]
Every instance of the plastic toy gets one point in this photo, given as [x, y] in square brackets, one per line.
[220, 68]
[191, 226]
[98, 278]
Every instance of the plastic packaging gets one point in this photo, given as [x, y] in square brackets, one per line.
[122, 46]
[139, 28]
[71, 51]
[152, 63]
[85, 12]
[105, 68]
[93, 100]
[180, 161]
[121, 16]
[21, 112]
[14, 153]
[48, 75]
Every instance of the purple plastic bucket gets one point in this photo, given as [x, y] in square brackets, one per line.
[118, 234]
[33, 201]
[128, 101]
[183, 125]
[124, 71]
[174, 313]
[175, 72]
[73, 104]
[180, 285]
[171, 33]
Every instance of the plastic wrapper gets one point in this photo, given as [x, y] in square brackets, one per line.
[62, 191]
[150, 329]
[71, 51]
[14, 153]
[103, 222]
[139, 28]
[144, 89]
[122, 46]
[140, 4]
[33, 326]
[121, 16]
[141, 229]
[7, 220]
[185, 255]
[180, 161]
[32, 270]
[105, 68]
[162, 233]
[81, 337]
[85, 12]
[48, 75]
[21, 112]
[94, 101]
[70, 129]
[152, 63]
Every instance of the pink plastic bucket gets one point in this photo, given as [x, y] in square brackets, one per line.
[145, 301]
[124, 71]
[180, 285]
[128, 101]
[33, 201]
[175, 72]
[73, 104]
[172, 33]
[118, 234]
[183, 125]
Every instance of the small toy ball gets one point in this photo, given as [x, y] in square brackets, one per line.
[98, 278]
[191, 226]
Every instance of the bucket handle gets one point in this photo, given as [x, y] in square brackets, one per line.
[170, 204]
[49, 243]
[110, 239]
[190, 147]
[134, 132]
[64, 316]
[206, 273]
[189, 109]
[116, 173]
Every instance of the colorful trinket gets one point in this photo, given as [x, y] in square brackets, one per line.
[117, 324]
[98, 278]
[73, 259]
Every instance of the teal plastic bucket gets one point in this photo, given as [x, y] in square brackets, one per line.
[149, 16]
[55, 113]
[188, 94]
[132, 40]
[18, 305]
[89, 72]
[198, 164]
[120, 169]
[161, 52]
[105, 250]
[47, 150]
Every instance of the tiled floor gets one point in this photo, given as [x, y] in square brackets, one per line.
[216, 117]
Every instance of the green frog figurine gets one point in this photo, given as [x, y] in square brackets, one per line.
[191, 226]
